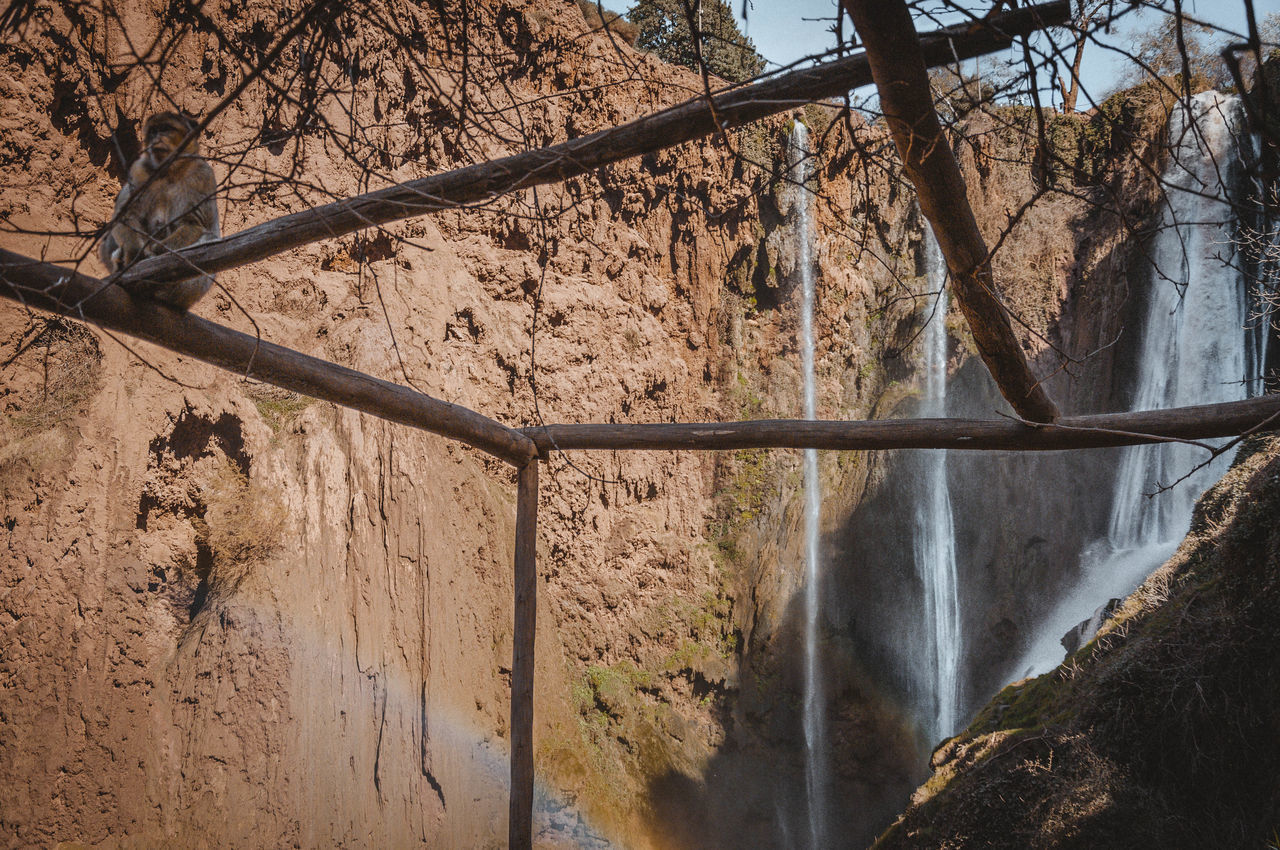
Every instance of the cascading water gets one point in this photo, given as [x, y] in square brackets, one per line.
[814, 718]
[1194, 349]
[933, 537]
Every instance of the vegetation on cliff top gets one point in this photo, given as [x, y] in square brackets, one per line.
[665, 29]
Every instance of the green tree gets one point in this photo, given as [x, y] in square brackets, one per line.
[664, 29]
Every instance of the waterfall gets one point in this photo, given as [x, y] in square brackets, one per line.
[815, 745]
[933, 536]
[1194, 349]
[1264, 286]
[1261, 235]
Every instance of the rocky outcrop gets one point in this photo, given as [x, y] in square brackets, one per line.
[1160, 731]
[1083, 632]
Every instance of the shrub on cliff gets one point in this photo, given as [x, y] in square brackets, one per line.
[243, 521]
[51, 374]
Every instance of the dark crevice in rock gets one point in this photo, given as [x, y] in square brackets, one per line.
[193, 434]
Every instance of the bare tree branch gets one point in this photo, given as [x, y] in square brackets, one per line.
[484, 181]
[899, 68]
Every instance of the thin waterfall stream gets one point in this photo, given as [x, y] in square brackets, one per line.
[814, 720]
[1195, 348]
[933, 536]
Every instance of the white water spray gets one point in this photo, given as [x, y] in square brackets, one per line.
[933, 537]
[815, 732]
[1192, 351]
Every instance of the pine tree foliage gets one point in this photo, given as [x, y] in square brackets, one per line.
[664, 29]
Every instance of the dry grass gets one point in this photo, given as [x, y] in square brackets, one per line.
[277, 407]
[243, 522]
[50, 376]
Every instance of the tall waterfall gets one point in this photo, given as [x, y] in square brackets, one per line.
[933, 536]
[1194, 349]
[815, 732]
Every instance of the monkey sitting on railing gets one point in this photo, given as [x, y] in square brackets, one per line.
[174, 209]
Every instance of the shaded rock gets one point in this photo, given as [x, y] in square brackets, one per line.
[1084, 631]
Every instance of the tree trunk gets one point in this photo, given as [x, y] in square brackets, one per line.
[898, 68]
[1069, 95]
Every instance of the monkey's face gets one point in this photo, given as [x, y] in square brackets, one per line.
[163, 136]
[161, 143]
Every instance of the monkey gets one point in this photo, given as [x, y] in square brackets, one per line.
[177, 209]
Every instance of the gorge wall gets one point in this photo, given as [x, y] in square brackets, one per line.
[237, 617]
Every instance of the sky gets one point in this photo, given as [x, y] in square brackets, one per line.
[785, 31]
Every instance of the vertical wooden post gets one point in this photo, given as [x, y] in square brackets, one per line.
[520, 819]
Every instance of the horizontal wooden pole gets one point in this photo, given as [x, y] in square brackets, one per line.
[48, 287]
[690, 120]
[1077, 432]
[58, 290]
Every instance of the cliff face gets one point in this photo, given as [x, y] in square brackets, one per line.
[236, 617]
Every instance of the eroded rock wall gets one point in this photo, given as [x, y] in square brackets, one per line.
[236, 617]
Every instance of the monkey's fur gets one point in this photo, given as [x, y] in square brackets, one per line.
[178, 209]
